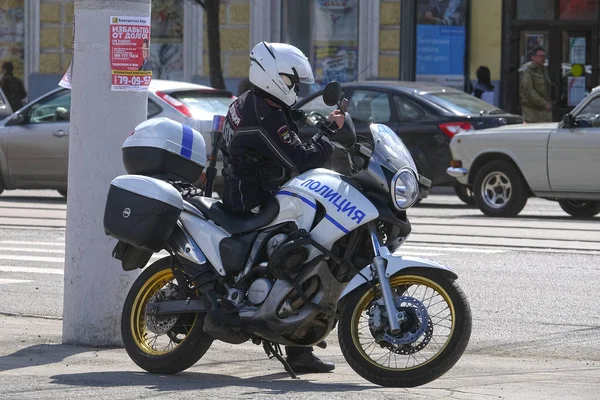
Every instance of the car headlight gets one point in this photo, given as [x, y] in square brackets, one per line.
[405, 189]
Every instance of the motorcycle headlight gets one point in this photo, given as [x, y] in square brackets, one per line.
[405, 189]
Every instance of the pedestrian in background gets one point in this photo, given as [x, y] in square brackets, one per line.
[535, 84]
[12, 87]
[484, 89]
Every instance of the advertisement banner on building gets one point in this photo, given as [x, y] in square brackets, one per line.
[441, 42]
[335, 40]
[130, 53]
[576, 91]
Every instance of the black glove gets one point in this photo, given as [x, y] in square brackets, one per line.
[298, 115]
[328, 128]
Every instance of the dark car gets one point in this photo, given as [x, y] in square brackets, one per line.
[424, 116]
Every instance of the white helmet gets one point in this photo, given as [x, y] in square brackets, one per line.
[278, 68]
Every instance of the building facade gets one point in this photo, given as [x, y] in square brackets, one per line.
[344, 39]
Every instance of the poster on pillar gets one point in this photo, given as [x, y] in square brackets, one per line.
[441, 42]
[130, 54]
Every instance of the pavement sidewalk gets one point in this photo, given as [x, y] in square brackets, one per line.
[35, 365]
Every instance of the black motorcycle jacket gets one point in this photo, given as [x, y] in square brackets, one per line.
[261, 151]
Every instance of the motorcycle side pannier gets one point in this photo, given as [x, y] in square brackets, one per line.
[165, 149]
[142, 211]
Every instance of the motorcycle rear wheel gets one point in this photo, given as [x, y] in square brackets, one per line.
[185, 339]
[404, 367]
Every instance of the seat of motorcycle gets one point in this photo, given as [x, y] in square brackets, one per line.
[232, 222]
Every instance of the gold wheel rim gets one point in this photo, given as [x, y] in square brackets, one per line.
[396, 282]
[142, 336]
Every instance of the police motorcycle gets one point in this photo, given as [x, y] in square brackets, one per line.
[325, 252]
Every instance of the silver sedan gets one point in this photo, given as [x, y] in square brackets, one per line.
[556, 161]
[34, 141]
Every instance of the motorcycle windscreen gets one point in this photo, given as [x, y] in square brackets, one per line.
[390, 151]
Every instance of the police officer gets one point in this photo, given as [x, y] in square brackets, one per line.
[535, 89]
[261, 149]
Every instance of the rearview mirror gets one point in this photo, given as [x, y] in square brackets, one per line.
[332, 93]
[568, 121]
[17, 119]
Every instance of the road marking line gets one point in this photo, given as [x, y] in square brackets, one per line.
[32, 243]
[7, 281]
[400, 252]
[454, 249]
[30, 250]
[52, 271]
[32, 258]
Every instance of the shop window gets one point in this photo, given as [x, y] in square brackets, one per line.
[327, 32]
[166, 41]
[535, 9]
[12, 35]
[579, 9]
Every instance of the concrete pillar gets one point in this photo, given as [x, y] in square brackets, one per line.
[95, 285]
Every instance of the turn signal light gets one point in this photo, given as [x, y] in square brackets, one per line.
[456, 164]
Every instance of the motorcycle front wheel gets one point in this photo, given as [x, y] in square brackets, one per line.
[431, 339]
[161, 344]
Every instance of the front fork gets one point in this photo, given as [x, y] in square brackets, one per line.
[378, 269]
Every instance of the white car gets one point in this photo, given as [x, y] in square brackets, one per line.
[557, 161]
[34, 141]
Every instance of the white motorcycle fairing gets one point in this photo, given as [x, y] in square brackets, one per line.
[395, 264]
[345, 210]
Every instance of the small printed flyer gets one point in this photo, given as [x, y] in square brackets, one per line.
[130, 54]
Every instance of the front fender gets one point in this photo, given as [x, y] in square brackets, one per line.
[394, 265]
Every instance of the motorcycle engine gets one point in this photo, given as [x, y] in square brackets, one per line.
[259, 290]
[285, 256]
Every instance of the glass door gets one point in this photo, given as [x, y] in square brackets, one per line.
[570, 57]
[577, 77]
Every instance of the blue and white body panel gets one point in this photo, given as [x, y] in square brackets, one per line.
[345, 207]
[345, 210]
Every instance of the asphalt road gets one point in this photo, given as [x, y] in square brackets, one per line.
[531, 280]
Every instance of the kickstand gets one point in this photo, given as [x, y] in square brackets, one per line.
[277, 353]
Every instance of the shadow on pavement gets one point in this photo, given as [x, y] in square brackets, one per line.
[41, 354]
[279, 383]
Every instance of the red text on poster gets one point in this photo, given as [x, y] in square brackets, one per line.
[130, 53]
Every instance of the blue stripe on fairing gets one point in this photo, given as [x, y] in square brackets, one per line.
[304, 199]
[313, 205]
[339, 226]
[187, 142]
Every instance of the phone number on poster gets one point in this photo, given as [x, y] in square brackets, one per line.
[133, 80]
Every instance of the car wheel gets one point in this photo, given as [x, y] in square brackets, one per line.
[580, 208]
[465, 194]
[500, 190]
